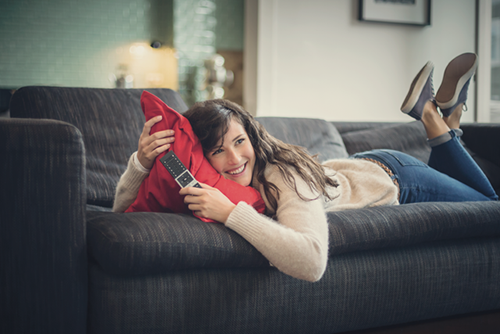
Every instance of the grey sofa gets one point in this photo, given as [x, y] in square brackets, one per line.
[69, 265]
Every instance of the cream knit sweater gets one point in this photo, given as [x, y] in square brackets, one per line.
[296, 241]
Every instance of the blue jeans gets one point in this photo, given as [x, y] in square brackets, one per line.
[450, 176]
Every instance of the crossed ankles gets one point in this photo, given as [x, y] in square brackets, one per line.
[451, 95]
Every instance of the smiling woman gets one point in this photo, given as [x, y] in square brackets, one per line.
[234, 156]
[292, 184]
[216, 121]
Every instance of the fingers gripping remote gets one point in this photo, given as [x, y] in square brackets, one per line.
[178, 171]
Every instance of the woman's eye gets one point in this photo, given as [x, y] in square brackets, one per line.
[239, 141]
[217, 151]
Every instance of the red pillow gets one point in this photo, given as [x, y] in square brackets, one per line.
[159, 192]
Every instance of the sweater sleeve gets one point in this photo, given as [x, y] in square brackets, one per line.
[129, 184]
[297, 243]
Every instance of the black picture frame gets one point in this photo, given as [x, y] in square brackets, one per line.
[407, 12]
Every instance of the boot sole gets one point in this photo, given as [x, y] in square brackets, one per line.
[416, 87]
[454, 79]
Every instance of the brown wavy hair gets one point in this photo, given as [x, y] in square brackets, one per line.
[210, 122]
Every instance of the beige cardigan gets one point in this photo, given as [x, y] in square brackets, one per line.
[296, 242]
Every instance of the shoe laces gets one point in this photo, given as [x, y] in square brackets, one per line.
[433, 99]
[432, 82]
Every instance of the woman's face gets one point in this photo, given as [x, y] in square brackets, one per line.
[235, 160]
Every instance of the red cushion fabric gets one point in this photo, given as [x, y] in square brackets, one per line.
[159, 192]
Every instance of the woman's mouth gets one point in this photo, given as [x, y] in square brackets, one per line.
[238, 170]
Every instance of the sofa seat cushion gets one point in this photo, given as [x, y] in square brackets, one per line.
[152, 243]
[147, 243]
[411, 224]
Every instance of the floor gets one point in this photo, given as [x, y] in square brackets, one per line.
[483, 323]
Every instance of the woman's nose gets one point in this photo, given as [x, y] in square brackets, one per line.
[233, 157]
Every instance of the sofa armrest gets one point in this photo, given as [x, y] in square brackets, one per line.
[43, 255]
[483, 143]
[484, 140]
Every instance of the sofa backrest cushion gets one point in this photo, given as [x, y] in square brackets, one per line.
[316, 135]
[405, 137]
[110, 120]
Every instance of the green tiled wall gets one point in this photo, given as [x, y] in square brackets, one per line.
[74, 42]
[230, 24]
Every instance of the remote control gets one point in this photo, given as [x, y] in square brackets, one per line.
[179, 172]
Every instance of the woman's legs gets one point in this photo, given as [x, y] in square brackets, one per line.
[420, 183]
[448, 156]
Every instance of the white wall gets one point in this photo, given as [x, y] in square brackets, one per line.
[315, 59]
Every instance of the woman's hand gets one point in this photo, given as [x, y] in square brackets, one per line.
[208, 202]
[151, 146]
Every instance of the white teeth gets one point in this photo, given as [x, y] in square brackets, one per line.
[237, 171]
